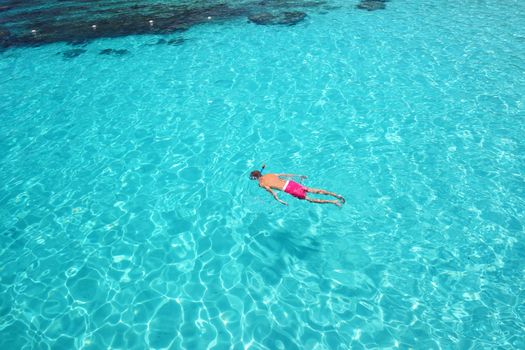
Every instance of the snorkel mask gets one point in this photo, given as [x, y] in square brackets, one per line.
[254, 175]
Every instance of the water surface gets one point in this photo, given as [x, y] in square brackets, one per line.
[127, 218]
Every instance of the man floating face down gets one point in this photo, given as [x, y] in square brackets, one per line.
[282, 182]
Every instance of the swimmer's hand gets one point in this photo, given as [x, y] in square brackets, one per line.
[275, 195]
[302, 177]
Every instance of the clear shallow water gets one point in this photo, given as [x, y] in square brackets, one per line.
[128, 220]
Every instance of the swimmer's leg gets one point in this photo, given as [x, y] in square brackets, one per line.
[319, 191]
[323, 201]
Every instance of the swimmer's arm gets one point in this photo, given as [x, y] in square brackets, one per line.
[293, 175]
[275, 195]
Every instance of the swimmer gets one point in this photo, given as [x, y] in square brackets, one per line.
[282, 182]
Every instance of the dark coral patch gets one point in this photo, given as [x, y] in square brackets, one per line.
[371, 5]
[113, 52]
[284, 18]
[69, 54]
[173, 42]
[176, 42]
[261, 18]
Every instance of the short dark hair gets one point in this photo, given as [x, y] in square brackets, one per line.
[254, 175]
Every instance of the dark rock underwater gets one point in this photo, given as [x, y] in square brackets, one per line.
[79, 21]
[372, 5]
[38, 22]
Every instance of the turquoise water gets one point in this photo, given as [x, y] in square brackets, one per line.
[128, 220]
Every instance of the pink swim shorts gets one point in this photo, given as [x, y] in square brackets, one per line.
[295, 189]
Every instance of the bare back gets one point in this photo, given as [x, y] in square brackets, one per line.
[272, 181]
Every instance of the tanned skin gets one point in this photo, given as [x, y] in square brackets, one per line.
[271, 182]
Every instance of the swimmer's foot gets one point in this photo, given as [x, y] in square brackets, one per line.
[341, 198]
[336, 203]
